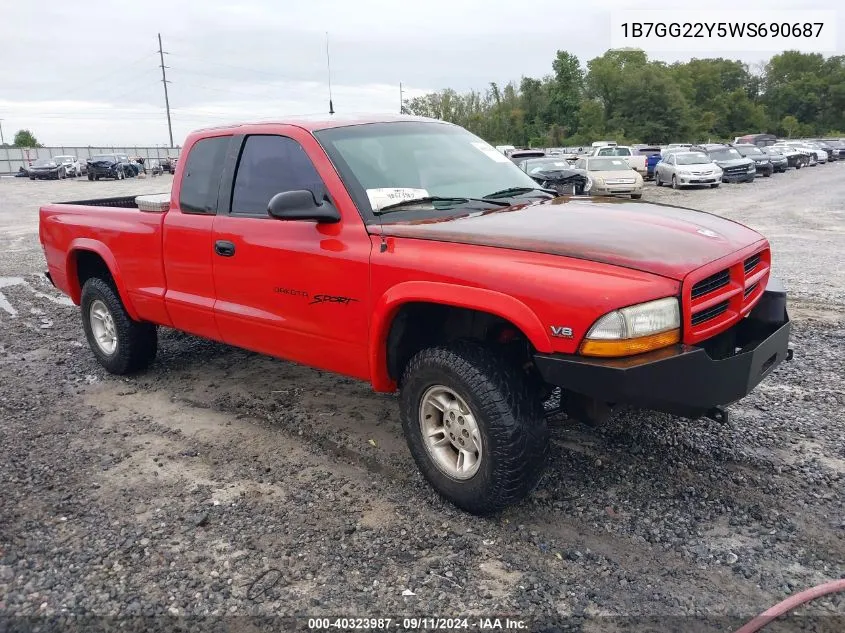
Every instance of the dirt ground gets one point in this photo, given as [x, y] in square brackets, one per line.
[224, 483]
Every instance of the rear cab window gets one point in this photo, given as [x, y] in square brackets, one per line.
[202, 175]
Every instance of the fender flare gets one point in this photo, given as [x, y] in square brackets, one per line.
[95, 246]
[470, 297]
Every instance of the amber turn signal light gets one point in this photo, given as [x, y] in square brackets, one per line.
[630, 346]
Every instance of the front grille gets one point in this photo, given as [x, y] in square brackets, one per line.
[735, 171]
[717, 301]
[710, 313]
[751, 263]
[711, 283]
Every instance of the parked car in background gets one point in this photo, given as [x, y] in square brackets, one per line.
[652, 157]
[46, 168]
[735, 167]
[836, 144]
[760, 140]
[108, 166]
[832, 152]
[168, 164]
[610, 176]
[817, 154]
[808, 158]
[636, 160]
[682, 169]
[779, 161]
[154, 167]
[761, 160]
[71, 165]
[555, 174]
[679, 146]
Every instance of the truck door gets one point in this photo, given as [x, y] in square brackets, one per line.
[293, 289]
[187, 246]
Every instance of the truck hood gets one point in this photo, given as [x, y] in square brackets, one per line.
[654, 238]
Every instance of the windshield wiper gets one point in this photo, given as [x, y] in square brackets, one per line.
[515, 191]
[460, 200]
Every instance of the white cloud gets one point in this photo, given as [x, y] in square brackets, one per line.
[77, 76]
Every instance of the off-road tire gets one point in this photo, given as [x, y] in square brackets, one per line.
[137, 342]
[509, 415]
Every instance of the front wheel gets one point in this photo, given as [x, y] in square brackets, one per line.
[474, 426]
[657, 179]
[714, 185]
[120, 344]
[675, 184]
[636, 196]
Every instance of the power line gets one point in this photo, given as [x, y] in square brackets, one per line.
[164, 83]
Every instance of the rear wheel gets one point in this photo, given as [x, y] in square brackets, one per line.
[474, 426]
[120, 344]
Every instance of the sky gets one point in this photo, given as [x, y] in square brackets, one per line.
[75, 76]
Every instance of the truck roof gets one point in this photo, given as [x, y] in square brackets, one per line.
[313, 123]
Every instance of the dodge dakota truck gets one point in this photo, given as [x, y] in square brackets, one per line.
[411, 254]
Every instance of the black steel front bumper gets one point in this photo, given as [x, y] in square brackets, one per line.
[684, 380]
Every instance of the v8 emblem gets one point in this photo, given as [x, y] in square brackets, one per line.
[561, 332]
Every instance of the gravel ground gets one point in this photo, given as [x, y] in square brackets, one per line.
[222, 482]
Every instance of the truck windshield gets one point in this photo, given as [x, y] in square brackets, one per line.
[384, 162]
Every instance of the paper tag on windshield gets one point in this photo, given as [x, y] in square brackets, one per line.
[380, 198]
[491, 152]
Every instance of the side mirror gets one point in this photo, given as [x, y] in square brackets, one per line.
[301, 205]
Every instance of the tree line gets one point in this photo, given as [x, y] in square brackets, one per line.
[626, 97]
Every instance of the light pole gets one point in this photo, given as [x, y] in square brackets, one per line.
[2, 140]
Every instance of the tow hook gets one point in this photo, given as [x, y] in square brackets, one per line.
[789, 354]
[717, 414]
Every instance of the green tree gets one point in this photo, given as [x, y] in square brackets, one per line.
[565, 92]
[605, 75]
[789, 124]
[25, 138]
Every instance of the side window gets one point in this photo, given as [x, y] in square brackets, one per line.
[202, 174]
[271, 165]
[606, 152]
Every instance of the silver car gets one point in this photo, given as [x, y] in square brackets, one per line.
[682, 169]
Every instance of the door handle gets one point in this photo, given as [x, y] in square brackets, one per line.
[224, 248]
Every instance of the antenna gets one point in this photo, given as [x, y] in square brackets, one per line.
[329, 68]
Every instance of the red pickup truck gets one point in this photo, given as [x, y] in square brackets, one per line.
[411, 254]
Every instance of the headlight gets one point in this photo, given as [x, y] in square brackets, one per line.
[598, 180]
[635, 329]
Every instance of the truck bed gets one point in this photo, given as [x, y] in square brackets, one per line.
[111, 230]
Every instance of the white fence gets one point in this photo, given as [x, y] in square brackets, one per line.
[13, 158]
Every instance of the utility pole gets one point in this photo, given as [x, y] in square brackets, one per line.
[164, 83]
[2, 140]
[329, 68]
[401, 100]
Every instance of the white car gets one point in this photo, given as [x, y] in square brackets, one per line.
[817, 152]
[71, 164]
[682, 169]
